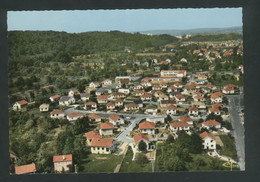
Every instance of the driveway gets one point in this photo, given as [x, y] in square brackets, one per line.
[238, 129]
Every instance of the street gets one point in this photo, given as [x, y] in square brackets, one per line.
[238, 128]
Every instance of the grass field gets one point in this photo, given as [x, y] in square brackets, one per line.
[95, 163]
[229, 148]
[132, 166]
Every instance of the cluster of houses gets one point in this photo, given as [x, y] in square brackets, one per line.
[165, 95]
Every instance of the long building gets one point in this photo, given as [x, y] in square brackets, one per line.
[173, 73]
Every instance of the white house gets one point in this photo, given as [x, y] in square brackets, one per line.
[125, 90]
[20, 105]
[62, 162]
[155, 119]
[209, 141]
[106, 129]
[194, 111]
[171, 110]
[94, 117]
[72, 92]
[110, 106]
[54, 97]
[180, 125]
[94, 84]
[141, 137]
[131, 107]
[102, 99]
[44, 107]
[84, 96]
[151, 109]
[107, 82]
[214, 110]
[66, 100]
[91, 105]
[116, 120]
[102, 145]
[57, 114]
[147, 127]
[74, 116]
[146, 97]
[210, 124]
[186, 119]
[174, 73]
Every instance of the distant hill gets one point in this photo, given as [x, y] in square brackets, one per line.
[194, 31]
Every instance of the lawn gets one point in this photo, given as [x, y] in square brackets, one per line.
[229, 148]
[132, 166]
[97, 163]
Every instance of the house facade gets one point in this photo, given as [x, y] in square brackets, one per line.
[62, 162]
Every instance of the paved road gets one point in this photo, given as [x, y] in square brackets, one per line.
[239, 132]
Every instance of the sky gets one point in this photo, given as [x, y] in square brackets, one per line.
[75, 21]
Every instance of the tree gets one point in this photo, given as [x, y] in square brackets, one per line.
[170, 139]
[141, 159]
[142, 146]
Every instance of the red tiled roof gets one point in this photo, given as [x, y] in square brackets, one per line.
[178, 83]
[217, 105]
[75, 90]
[163, 83]
[146, 125]
[118, 93]
[211, 123]
[210, 86]
[168, 102]
[94, 116]
[102, 97]
[228, 88]
[102, 142]
[55, 96]
[62, 158]
[171, 107]
[132, 105]
[57, 112]
[180, 96]
[214, 109]
[23, 102]
[202, 76]
[157, 86]
[92, 134]
[185, 118]
[106, 126]
[199, 97]
[114, 117]
[179, 124]
[110, 104]
[172, 87]
[24, 169]
[75, 114]
[206, 134]
[190, 86]
[159, 92]
[140, 136]
[140, 91]
[193, 109]
[119, 100]
[90, 103]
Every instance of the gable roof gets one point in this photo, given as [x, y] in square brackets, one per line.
[55, 96]
[211, 123]
[147, 125]
[132, 105]
[23, 102]
[94, 116]
[171, 107]
[179, 124]
[102, 97]
[110, 104]
[57, 112]
[114, 117]
[185, 118]
[62, 158]
[106, 126]
[75, 114]
[24, 169]
[92, 134]
[193, 109]
[64, 98]
[139, 136]
[84, 94]
[206, 134]
[90, 103]
[101, 142]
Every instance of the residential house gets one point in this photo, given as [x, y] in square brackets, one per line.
[158, 93]
[179, 125]
[91, 106]
[91, 135]
[212, 87]
[54, 98]
[102, 99]
[73, 92]
[57, 114]
[94, 117]
[107, 82]
[74, 116]
[131, 107]
[146, 97]
[146, 83]
[164, 85]
[186, 119]
[139, 92]
[214, 110]
[174, 73]
[162, 97]
[21, 105]
[198, 98]
[178, 85]
[171, 110]
[210, 124]
[44, 107]
[180, 98]
[151, 109]
[202, 77]
[193, 111]
[84, 96]
[189, 88]
[156, 119]
[66, 100]
[125, 90]
[25, 169]
[138, 87]
[200, 105]
[119, 95]
[119, 102]
[147, 127]
[216, 97]
[62, 162]
[141, 137]
[116, 120]
[208, 141]
[94, 84]
[172, 89]
[229, 89]
[106, 129]
[110, 106]
[165, 103]
[156, 87]
[102, 145]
